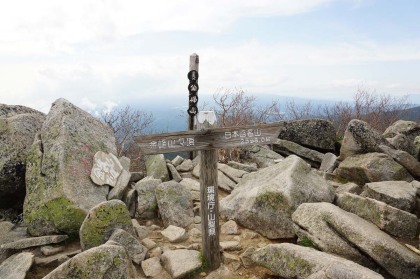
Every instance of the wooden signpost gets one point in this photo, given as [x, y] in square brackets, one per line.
[207, 139]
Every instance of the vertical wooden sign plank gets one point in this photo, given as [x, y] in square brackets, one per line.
[194, 63]
[209, 196]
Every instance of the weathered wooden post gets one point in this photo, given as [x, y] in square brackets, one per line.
[209, 196]
[192, 93]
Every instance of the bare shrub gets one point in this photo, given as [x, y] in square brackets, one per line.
[128, 123]
[378, 110]
[234, 108]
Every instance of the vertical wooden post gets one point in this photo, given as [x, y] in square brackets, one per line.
[194, 62]
[209, 196]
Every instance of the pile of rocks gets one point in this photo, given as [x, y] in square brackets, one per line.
[345, 212]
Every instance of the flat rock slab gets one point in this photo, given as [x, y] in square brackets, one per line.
[174, 234]
[232, 173]
[54, 259]
[291, 147]
[105, 261]
[106, 169]
[292, 261]
[34, 241]
[16, 266]
[392, 220]
[263, 156]
[240, 166]
[334, 230]
[399, 194]
[179, 263]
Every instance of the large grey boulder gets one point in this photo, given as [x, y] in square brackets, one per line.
[175, 204]
[105, 261]
[372, 167]
[265, 200]
[402, 134]
[360, 138]
[16, 266]
[392, 220]
[18, 126]
[313, 133]
[147, 206]
[292, 261]
[59, 191]
[156, 167]
[345, 234]
[399, 194]
[181, 262]
[101, 222]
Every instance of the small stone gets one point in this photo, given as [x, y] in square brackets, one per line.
[177, 161]
[154, 227]
[185, 166]
[50, 250]
[230, 245]
[136, 176]
[194, 232]
[150, 244]
[191, 184]
[244, 167]
[151, 267]
[174, 233]
[195, 196]
[329, 163]
[181, 262]
[155, 252]
[197, 219]
[194, 246]
[237, 238]
[246, 257]
[250, 235]
[141, 231]
[229, 228]
[230, 258]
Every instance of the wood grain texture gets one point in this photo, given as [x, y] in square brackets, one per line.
[209, 204]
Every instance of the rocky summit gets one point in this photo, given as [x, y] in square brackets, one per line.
[305, 207]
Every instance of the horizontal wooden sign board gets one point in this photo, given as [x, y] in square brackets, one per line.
[209, 138]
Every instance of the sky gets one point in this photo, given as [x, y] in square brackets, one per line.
[100, 54]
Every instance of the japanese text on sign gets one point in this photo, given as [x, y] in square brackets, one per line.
[247, 136]
[172, 143]
[211, 216]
